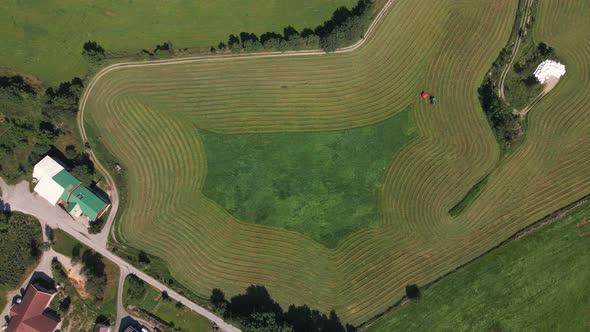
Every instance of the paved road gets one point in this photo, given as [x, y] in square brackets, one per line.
[20, 199]
[121, 312]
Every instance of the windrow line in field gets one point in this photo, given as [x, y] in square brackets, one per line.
[150, 118]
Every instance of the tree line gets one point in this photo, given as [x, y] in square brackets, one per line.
[505, 124]
[32, 121]
[345, 27]
[256, 311]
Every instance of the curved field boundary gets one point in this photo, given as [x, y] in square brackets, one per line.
[150, 115]
[113, 193]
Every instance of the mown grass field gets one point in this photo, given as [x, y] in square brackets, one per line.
[182, 317]
[150, 118]
[537, 283]
[35, 42]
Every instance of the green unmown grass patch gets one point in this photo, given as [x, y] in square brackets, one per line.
[537, 283]
[320, 184]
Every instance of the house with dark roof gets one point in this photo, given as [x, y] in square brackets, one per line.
[29, 314]
[58, 186]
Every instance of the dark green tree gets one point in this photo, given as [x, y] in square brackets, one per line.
[96, 226]
[143, 258]
[93, 52]
[94, 270]
[137, 288]
[84, 173]
[264, 322]
[412, 292]
[234, 43]
[218, 301]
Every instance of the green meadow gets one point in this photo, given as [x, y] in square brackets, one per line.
[538, 283]
[324, 185]
[45, 38]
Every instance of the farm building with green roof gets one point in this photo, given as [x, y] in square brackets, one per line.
[58, 186]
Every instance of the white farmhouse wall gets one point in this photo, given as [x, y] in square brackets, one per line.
[47, 167]
[43, 172]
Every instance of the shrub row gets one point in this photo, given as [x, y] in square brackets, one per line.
[344, 28]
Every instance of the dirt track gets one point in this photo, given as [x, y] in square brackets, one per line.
[522, 25]
[549, 85]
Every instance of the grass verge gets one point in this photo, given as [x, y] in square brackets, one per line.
[167, 310]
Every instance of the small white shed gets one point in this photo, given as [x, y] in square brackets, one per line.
[549, 68]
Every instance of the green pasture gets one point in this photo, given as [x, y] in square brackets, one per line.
[323, 185]
[538, 283]
[45, 38]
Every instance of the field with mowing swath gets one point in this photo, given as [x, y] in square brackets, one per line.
[537, 283]
[152, 119]
[35, 44]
